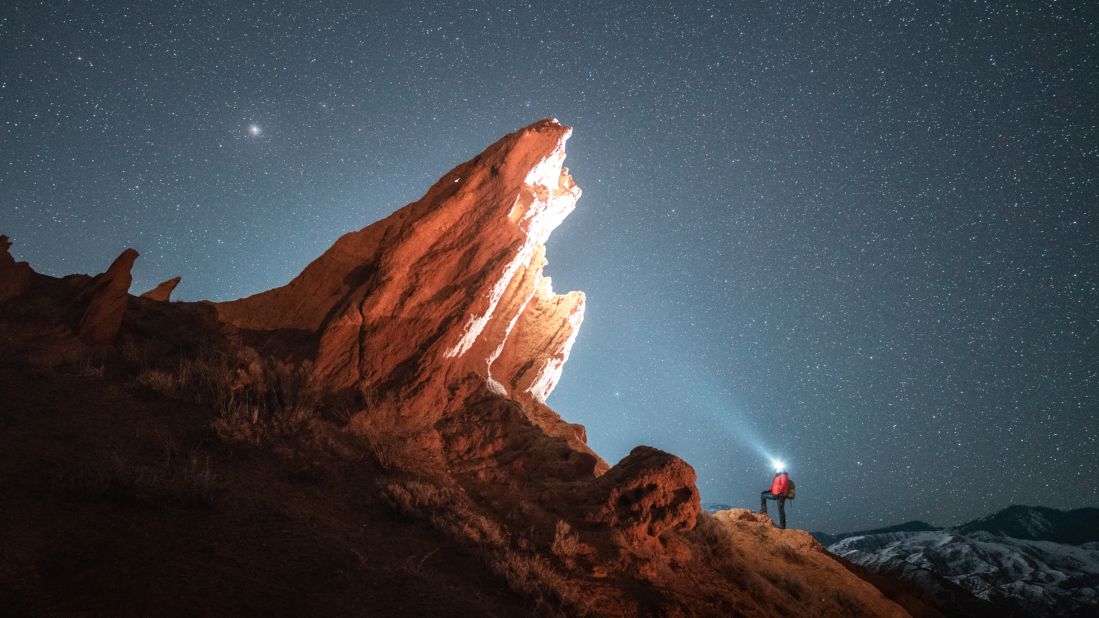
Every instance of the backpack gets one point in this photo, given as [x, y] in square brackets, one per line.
[791, 489]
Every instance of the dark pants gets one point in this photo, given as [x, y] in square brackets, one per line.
[764, 497]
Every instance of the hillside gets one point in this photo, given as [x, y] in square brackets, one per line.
[370, 439]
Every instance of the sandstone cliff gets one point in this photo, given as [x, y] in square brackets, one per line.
[446, 286]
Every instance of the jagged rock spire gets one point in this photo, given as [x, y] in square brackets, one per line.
[163, 292]
[449, 285]
[107, 302]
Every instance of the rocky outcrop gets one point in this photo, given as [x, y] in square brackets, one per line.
[440, 316]
[447, 286]
[15, 277]
[645, 494]
[106, 302]
[437, 333]
[796, 564]
[163, 292]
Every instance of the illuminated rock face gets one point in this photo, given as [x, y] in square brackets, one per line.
[447, 286]
[441, 318]
[646, 494]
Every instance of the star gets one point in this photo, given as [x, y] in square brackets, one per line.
[255, 130]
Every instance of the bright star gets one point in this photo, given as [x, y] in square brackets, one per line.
[255, 130]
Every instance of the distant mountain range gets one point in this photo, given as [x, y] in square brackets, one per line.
[910, 526]
[1023, 560]
[1037, 523]
[1034, 523]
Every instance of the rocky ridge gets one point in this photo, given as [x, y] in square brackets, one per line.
[438, 335]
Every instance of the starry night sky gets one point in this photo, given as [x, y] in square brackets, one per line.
[859, 236]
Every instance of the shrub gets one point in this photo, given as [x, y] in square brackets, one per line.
[191, 483]
[254, 397]
[89, 367]
[412, 497]
[455, 515]
[238, 421]
[565, 542]
[163, 382]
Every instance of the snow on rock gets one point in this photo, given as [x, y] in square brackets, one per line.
[1044, 577]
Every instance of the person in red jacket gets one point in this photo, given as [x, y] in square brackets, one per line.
[779, 484]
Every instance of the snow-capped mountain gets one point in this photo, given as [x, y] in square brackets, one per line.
[1042, 577]
[1039, 523]
[909, 526]
[713, 507]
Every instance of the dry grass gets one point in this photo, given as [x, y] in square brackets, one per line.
[389, 451]
[566, 543]
[255, 397]
[448, 510]
[89, 367]
[206, 379]
[400, 443]
[714, 541]
[761, 561]
[136, 352]
[267, 397]
[163, 382]
[532, 576]
[785, 552]
[413, 497]
[188, 483]
[527, 572]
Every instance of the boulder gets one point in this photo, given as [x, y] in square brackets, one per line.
[645, 494]
[106, 302]
[163, 292]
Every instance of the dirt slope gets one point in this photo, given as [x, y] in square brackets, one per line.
[118, 501]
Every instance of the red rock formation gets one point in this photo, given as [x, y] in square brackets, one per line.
[534, 354]
[15, 277]
[444, 287]
[796, 558]
[440, 316]
[107, 300]
[163, 292]
[439, 324]
[645, 494]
